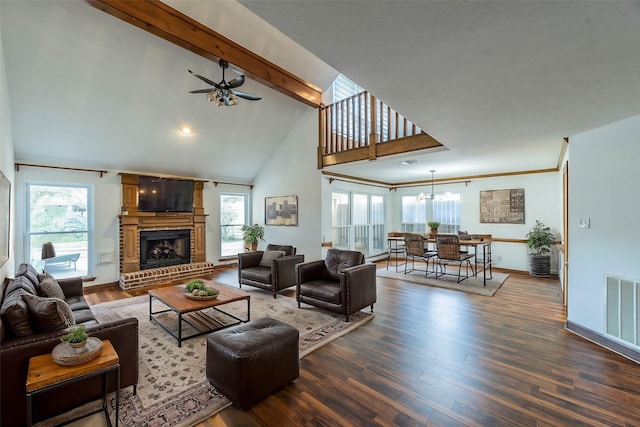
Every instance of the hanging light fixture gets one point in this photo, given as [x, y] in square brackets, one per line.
[431, 195]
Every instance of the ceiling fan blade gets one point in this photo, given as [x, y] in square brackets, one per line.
[246, 96]
[204, 79]
[238, 81]
[201, 91]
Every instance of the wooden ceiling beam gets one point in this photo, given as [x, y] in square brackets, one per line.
[165, 22]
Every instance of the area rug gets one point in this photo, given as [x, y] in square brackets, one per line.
[472, 285]
[173, 389]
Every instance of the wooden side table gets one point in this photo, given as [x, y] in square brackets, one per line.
[44, 375]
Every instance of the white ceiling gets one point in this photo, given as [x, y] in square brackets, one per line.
[499, 83]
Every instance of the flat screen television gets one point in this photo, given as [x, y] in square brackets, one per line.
[164, 195]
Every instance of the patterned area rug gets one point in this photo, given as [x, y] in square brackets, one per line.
[472, 285]
[173, 389]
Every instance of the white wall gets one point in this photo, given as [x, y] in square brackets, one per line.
[290, 171]
[542, 202]
[603, 186]
[6, 160]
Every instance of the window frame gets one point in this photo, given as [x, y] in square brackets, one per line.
[247, 207]
[90, 223]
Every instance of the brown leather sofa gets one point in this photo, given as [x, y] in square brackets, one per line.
[15, 352]
[274, 275]
[341, 283]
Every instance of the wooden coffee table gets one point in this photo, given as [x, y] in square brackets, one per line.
[193, 312]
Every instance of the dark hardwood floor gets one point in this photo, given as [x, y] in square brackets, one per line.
[435, 357]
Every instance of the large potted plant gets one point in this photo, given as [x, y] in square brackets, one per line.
[540, 240]
[251, 235]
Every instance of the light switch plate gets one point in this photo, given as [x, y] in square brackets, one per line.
[584, 222]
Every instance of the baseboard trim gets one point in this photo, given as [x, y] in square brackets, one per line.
[603, 341]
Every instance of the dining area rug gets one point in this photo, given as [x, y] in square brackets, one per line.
[173, 390]
[472, 285]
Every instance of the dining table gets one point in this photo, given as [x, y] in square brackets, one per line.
[481, 247]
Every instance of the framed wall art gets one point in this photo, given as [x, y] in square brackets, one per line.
[5, 211]
[281, 210]
[502, 206]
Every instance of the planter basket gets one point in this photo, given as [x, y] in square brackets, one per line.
[540, 265]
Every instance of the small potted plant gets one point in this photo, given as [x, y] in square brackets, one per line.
[540, 240]
[433, 226]
[77, 337]
[253, 233]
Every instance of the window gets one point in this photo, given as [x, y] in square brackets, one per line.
[358, 221]
[414, 215]
[340, 220]
[444, 208]
[233, 215]
[343, 88]
[62, 215]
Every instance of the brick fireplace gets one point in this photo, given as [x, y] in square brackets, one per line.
[158, 247]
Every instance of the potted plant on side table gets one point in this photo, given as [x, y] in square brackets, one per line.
[77, 337]
[433, 226]
[251, 235]
[539, 240]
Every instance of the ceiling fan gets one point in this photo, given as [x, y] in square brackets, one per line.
[224, 93]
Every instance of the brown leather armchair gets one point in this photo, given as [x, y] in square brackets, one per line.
[278, 275]
[341, 283]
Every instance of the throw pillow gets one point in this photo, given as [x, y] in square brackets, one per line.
[50, 287]
[15, 313]
[43, 275]
[269, 256]
[29, 272]
[22, 283]
[49, 314]
[288, 249]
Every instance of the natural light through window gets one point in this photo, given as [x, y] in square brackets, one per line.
[60, 214]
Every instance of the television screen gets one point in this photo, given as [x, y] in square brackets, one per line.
[164, 195]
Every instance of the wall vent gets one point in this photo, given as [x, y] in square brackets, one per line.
[622, 310]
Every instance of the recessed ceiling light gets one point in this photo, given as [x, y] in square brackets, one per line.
[409, 162]
[185, 130]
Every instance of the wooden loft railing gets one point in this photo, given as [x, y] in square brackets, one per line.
[362, 127]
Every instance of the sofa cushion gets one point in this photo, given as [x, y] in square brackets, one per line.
[49, 287]
[324, 290]
[23, 283]
[257, 274]
[288, 249]
[29, 272]
[49, 314]
[84, 317]
[77, 303]
[269, 256]
[15, 313]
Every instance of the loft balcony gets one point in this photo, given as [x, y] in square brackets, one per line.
[362, 127]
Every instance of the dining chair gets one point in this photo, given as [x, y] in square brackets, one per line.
[448, 246]
[414, 245]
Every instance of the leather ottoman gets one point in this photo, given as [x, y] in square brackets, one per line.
[250, 361]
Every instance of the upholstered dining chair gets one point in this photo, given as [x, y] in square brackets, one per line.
[448, 246]
[415, 247]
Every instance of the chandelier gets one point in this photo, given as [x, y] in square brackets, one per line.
[420, 197]
[223, 97]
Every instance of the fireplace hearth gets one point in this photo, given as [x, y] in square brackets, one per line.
[163, 248]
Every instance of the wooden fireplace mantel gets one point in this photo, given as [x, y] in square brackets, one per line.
[132, 221]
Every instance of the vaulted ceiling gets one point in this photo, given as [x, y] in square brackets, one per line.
[498, 83]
